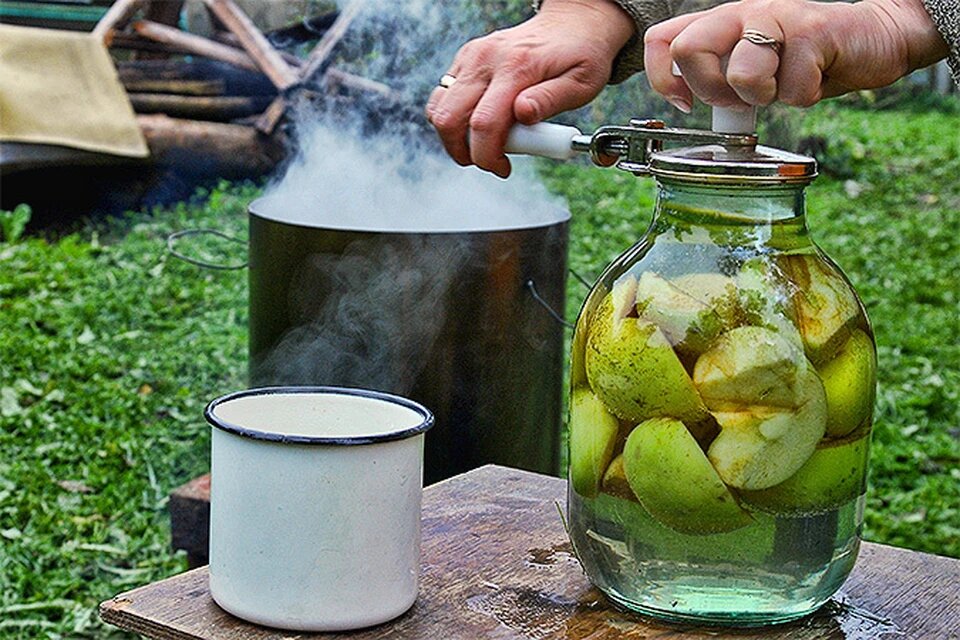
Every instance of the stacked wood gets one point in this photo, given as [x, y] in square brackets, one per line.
[235, 125]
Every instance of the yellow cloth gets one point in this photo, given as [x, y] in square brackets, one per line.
[61, 88]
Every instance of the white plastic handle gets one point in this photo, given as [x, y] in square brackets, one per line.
[544, 139]
[726, 120]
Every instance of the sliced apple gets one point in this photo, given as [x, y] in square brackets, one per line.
[749, 366]
[615, 480]
[834, 475]
[593, 435]
[633, 369]
[759, 447]
[850, 382]
[827, 308]
[765, 298]
[691, 310]
[674, 481]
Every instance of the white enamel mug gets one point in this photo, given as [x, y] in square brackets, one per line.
[315, 506]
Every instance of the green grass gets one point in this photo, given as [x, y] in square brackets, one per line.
[109, 349]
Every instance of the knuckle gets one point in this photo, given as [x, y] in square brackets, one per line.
[796, 98]
[444, 121]
[682, 48]
[743, 79]
[483, 122]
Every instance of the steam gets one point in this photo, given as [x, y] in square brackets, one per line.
[367, 313]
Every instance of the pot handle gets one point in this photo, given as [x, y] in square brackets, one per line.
[532, 287]
[176, 235]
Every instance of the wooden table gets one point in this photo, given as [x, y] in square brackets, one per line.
[497, 564]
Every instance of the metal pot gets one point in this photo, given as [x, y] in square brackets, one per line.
[457, 320]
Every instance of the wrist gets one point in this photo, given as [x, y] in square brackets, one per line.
[610, 20]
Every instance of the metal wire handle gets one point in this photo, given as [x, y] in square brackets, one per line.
[176, 235]
[546, 305]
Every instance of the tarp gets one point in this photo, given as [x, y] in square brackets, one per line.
[61, 88]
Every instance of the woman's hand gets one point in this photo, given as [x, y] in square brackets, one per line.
[558, 60]
[826, 49]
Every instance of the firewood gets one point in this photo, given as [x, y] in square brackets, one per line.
[216, 108]
[191, 43]
[228, 148]
[176, 86]
[255, 43]
[116, 17]
[320, 54]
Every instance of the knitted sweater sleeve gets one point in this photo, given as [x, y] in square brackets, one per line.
[946, 15]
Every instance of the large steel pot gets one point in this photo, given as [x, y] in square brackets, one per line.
[448, 318]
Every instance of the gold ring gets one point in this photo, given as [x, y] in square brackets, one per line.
[447, 80]
[757, 37]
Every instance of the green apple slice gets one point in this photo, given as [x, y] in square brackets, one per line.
[593, 435]
[834, 475]
[615, 480]
[759, 447]
[765, 298]
[749, 366]
[633, 369]
[675, 482]
[826, 306]
[850, 382]
[689, 309]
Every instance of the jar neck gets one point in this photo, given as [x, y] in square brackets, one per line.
[734, 214]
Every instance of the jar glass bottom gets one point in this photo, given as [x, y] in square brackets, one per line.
[774, 571]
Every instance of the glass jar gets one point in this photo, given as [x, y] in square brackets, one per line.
[723, 381]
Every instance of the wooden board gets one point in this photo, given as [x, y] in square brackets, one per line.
[497, 564]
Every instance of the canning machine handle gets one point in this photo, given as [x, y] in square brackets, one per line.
[545, 139]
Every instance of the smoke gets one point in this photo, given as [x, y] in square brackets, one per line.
[363, 309]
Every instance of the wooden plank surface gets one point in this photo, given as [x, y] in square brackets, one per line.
[497, 564]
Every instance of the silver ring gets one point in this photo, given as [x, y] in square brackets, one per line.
[447, 80]
[757, 37]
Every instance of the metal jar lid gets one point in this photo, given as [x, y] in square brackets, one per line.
[743, 165]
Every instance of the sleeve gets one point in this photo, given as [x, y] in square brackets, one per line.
[946, 15]
[644, 13]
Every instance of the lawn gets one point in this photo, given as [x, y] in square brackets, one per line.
[109, 349]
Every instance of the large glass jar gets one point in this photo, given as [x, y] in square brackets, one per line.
[723, 381]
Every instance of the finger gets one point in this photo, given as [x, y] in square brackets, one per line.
[752, 68]
[800, 78]
[658, 62]
[698, 51]
[491, 121]
[553, 96]
[452, 109]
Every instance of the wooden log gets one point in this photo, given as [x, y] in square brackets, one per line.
[337, 78]
[194, 44]
[163, 12]
[320, 54]
[174, 86]
[210, 147]
[118, 14]
[189, 508]
[270, 118]
[236, 81]
[229, 39]
[216, 108]
[255, 43]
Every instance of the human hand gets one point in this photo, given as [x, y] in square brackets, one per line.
[558, 60]
[827, 49]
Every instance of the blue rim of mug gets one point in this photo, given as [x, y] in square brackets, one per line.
[257, 434]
